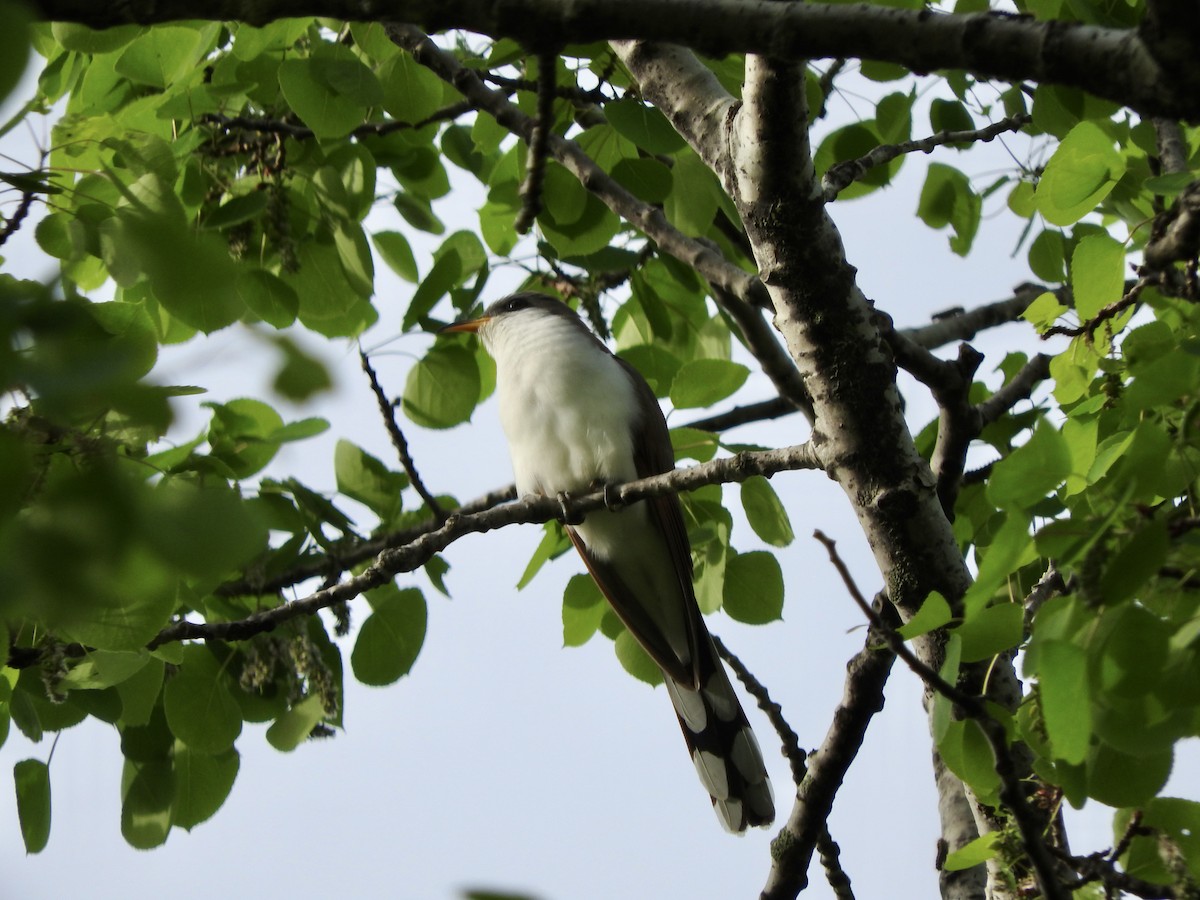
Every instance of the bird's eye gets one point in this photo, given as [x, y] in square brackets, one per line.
[512, 304]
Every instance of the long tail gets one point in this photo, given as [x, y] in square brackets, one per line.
[722, 745]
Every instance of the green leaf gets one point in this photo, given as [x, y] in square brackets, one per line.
[934, 613]
[237, 210]
[14, 44]
[991, 630]
[1081, 173]
[140, 693]
[444, 275]
[583, 608]
[1123, 780]
[563, 196]
[973, 853]
[364, 478]
[647, 179]
[82, 39]
[317, 102]
[635, 660]
[170, 254]
[692, 443]
[291, 729]
[702, 382]
[1065, 694]
[753, 588]
[104, 668]
[947, 199]
[268, 296]
[202, 782]
[396, 252]
[411, 93]
[300, 377]
[1097, 274]
[1046, 256]
[32, 778]
[442, 389]
[147, 798]
[644, 125]
[765, 512]
[968, 755]
[390, 638]
[201, 712]
[162, 55]
[1044, 311]
[554, 543]
[1030, 472]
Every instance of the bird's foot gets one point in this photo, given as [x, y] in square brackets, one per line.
[569, 516]
[612, 500]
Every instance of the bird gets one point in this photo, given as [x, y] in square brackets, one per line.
[577, 418]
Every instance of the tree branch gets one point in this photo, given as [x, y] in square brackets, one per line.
[1153, 70]
[962, 326]
[843, 174]
[407, 557]
[535, 168]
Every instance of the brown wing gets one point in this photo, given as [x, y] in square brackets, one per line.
[653, 455]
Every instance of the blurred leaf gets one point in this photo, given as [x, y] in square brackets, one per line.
[411, 93]
[973, 853]
[991, 631]
[32, 778]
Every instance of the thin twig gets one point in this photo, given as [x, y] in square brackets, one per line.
[301, 132]
[539, 142]
[1111, 311]
[13, 222]
[842, 175]
[388, 411]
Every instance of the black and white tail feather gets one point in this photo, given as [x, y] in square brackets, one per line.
[723, 747]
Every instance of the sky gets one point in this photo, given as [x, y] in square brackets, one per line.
[504, 761]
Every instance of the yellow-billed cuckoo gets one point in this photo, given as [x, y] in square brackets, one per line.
[576, 418]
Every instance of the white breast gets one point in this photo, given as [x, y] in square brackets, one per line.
[565, 404]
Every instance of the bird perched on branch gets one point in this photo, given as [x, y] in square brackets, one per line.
[577, 417]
